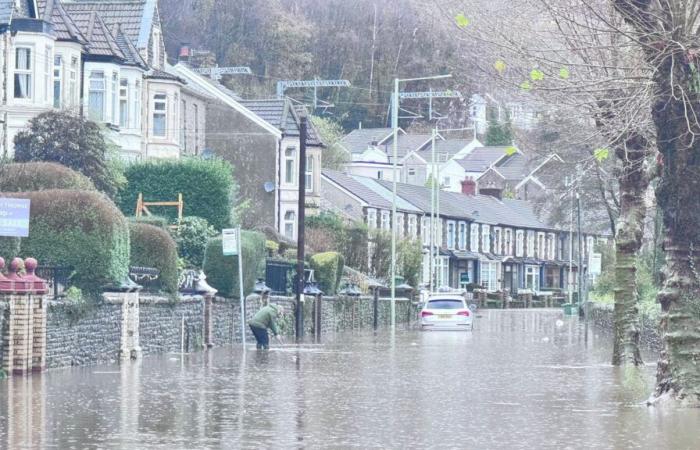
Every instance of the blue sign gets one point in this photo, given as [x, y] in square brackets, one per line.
[14, 217]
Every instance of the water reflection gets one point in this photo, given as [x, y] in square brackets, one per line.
[521, 379]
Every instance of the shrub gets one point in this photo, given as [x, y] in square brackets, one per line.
[410, 261]
[154, 247]
[38, 176]
[207, 187]
[156, 221]
[192, 237]
[222, 271]
[68, 139]
[328, 267]
[80, 229]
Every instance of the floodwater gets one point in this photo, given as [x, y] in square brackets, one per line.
[522, 379]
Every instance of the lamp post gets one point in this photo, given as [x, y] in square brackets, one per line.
[395, 128]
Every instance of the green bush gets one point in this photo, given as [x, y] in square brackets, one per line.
[222, 271]
[328, 268]
[38, 176]
[154, 247]
[410, 261]
[192, 237]
[207, 187]
[80, 229]
[156, 221]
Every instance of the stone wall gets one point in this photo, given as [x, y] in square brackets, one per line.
[161, 324]
[4, 322]
[602, 316]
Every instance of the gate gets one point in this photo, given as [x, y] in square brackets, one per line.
[278, 276]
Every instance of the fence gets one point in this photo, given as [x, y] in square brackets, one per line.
[57, 278]
[279, 276]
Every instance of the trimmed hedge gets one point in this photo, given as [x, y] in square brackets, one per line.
[156, 221]
[222, 271]
[328, 268]
[192, 237]
[154, 247]
[207, 187]
[80, 229]
[39, 176]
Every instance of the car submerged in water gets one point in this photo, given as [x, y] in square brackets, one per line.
[448, 312]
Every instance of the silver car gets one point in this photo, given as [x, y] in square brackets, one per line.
[446, 312]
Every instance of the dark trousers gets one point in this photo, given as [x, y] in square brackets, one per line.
[261, 336]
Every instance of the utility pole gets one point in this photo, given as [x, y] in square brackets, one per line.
[395, 145]
[299, 312]
[432, 213]
[580, 250]
[571, 243]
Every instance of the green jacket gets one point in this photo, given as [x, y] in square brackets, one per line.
[265, 318]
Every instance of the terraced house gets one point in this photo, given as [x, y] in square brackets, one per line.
[103, 59]
[488, 240]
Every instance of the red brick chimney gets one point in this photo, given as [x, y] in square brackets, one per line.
[184, 54]
[469, 186]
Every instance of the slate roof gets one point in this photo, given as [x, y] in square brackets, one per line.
[163, 75]
[408, 143]
[100, 39]
[449, 146]
[132, 56]
[134, 16]
[401, 203]
[357, 141]
[65, 28]
[282, 115]
[515, 167]
[367, 195]
[6, 8]
[481, 158]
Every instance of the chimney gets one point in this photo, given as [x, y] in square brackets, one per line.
[469, 186]
[184, 53]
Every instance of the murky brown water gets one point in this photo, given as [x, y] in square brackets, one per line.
[519, 380]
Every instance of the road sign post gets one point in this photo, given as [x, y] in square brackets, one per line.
[231, 240]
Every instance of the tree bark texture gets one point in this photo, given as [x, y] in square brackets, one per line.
[629, 232]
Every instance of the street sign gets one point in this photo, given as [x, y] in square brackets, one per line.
[14, 217]
[464, 278]
[595, 264]
[229, 237]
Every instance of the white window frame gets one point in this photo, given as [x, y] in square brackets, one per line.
[590, 246]
[451, 234]
[412, 226]
[27, 72]
[73, 80]
[137, 105]
[97, 86]
[290, 219]
[183, 126]
[195, 108]
[115, 98]
[371, 218]
[474, 237]
[290, 165]
[462, 236]
[400, 230]
[508, 239]
[425, 230]
[485, 238]
[530, 243]
[57, 81]
[386, 221]
[411, 172]
[439, 235]
[309, 173]
[442, 271]
[497, 240]
[489, 275]
[519, 243]
[551, 246]
[532, 272]
[160, 98]
[48, 72]
[541, 243]
[124, 103]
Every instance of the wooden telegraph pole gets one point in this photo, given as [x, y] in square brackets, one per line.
[299, 313]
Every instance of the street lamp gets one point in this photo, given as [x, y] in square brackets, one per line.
[395, 128]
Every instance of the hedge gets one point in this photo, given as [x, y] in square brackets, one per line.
[192, 237]
[156, 221]
[207, 187]
[222, 271]
[39, 176]
[328, 268]
[80, 229]
[152, 246]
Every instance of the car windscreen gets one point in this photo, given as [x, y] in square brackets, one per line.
[445, 304]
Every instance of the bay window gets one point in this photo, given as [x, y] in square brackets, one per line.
[48, 72]
[23, 72]
[160, 115]
[309, 174]
[474, 238]
[96, 96]
[486, 239]
[451, 235]
[57, 81]
[290, 158]
[489, 275]
[73, 80]
[114, 93]
[137, 105]
[124, 103]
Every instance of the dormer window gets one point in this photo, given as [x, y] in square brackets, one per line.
[23, 72]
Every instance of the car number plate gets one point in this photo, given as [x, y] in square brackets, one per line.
[445, 316]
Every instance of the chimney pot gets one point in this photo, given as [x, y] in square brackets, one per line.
[469, 186]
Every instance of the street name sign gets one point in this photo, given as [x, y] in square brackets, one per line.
[229, 238]
[14, 217]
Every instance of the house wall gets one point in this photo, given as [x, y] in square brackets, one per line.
[169, 145]
[335, 199]
[130, 136]
[451, 176]
[253, 152]
[414, 171]
[313, 195]
[193, 112]
[376, 171]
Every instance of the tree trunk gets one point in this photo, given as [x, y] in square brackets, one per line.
[628, 241]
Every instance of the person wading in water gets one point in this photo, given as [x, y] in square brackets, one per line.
[266, 318]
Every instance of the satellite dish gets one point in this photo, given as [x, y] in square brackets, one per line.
[269, 186]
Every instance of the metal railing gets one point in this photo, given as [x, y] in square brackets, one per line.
[57, 278]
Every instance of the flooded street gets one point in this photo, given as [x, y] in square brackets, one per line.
[521, 379]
